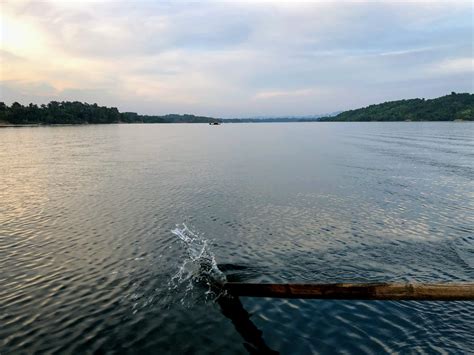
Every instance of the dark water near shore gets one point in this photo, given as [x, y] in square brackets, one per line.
[88, 262]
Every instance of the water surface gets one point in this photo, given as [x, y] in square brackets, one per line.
[89, 262]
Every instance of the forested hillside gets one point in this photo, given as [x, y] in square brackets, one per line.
[446, 108]
[81, 113]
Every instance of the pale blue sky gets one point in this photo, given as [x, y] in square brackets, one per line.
[230, 59]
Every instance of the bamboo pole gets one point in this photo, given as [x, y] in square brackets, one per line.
[350, 291]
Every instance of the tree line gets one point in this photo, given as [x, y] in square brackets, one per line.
[75, 112]
[446, 108]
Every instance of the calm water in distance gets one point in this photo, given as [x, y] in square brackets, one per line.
[88, 262]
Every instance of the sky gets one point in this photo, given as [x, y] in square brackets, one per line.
[234, 59]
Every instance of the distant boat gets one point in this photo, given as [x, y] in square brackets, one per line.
[214, 123]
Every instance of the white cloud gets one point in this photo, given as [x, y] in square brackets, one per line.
[453, 66]
[231, 59]
[280, 94]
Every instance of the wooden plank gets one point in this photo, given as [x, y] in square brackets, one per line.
[352, 291]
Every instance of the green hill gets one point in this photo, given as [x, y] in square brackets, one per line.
[446, 108]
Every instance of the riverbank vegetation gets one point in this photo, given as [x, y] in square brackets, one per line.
[446, 108]
[83, 113]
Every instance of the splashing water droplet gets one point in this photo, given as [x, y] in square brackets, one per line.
[199, 267]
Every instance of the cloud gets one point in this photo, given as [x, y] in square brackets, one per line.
[234, 59]
[453, 66]
[265, 95]
[8, 56]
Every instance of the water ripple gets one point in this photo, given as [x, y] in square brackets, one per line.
[86, 252]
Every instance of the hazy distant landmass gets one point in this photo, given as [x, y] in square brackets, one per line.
[446, 108]
[266, 119]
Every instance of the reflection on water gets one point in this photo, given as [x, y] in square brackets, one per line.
[233, 309]
[88, 263]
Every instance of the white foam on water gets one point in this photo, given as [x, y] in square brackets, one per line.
[199, 265]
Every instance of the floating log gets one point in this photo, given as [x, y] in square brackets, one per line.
[352, 291]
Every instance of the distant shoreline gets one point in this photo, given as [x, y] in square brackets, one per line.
[223, 122]
[454, 107]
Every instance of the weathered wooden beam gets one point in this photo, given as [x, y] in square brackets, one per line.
[351, 291]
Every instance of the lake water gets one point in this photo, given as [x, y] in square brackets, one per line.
[89, 262]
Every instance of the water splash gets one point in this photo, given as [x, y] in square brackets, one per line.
[199, 267]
